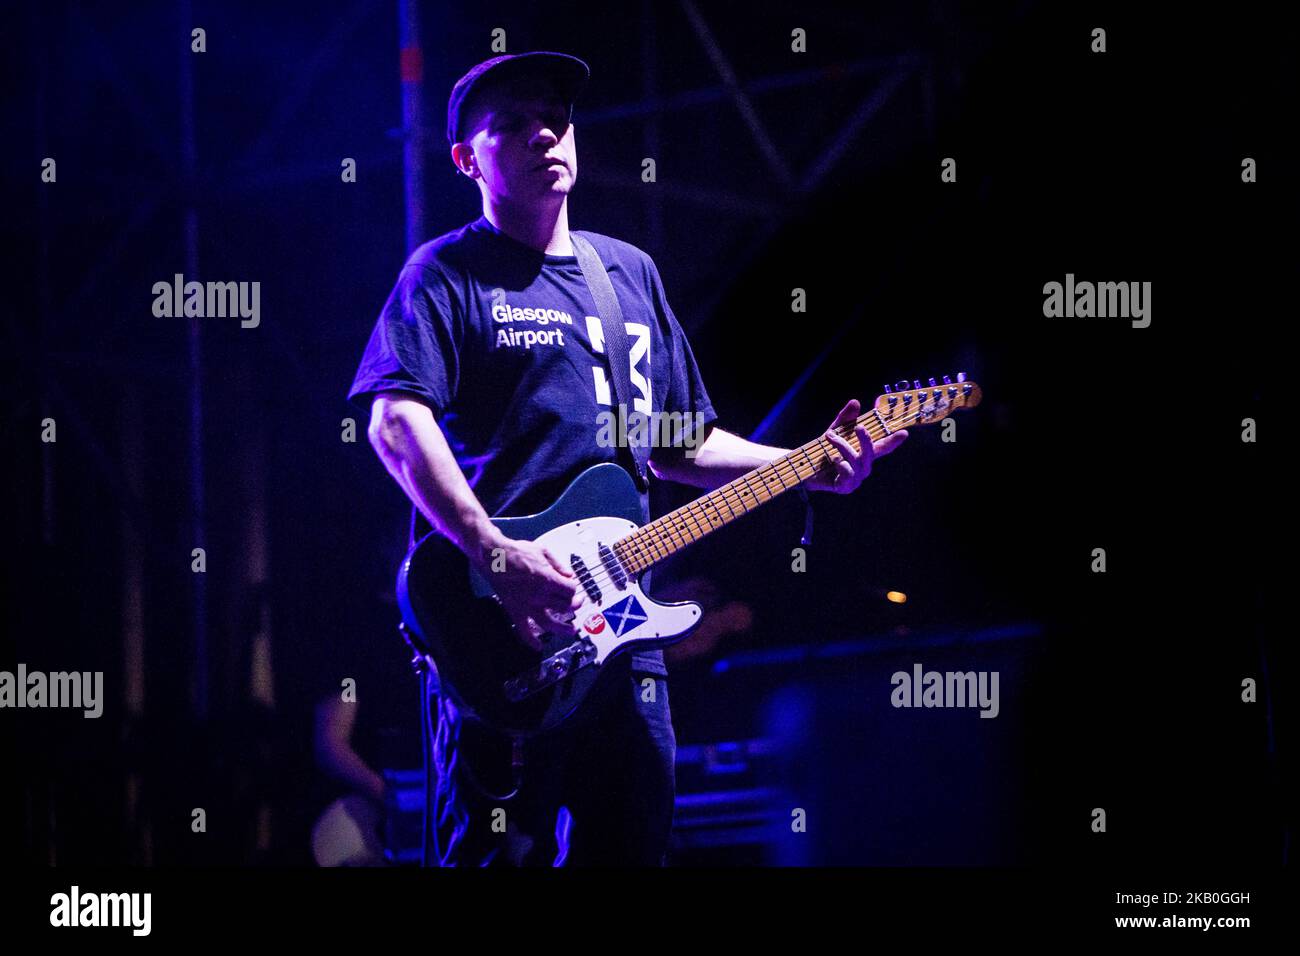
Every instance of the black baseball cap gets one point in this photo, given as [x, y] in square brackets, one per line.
[567, 72]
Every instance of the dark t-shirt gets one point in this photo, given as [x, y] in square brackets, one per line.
[505, 345]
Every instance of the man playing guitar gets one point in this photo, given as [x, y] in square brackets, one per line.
[490, 344]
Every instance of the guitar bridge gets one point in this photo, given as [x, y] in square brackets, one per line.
[551, 670]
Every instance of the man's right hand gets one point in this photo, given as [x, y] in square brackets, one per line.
[537, 592]
[527, 578]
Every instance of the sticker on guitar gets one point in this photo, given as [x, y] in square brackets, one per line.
[626, 615]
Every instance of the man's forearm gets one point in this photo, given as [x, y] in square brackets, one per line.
[414, 450]
[335, 721]
[722, 458]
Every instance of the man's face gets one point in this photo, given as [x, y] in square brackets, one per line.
[519, 144]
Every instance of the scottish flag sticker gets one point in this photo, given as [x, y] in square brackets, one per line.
[626, 615]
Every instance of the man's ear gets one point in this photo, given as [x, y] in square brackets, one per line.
[463, 157]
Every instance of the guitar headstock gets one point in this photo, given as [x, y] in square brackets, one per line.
[918, 405]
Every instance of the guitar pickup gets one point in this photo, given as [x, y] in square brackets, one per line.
[613, 566]
[584, 577]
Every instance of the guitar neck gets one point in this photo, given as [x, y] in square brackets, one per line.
[667, 535]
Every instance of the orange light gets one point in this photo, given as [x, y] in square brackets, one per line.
[898, 597]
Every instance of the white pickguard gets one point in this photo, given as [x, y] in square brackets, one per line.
[624, 616]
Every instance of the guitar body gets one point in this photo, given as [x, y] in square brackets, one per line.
[481, 661]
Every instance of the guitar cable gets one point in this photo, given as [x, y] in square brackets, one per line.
[430, 686]
[516, 759]
[426, 750]
[435, 738]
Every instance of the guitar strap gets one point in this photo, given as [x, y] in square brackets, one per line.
[617, 350]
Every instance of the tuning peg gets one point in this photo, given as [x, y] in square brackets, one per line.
[961, 376]
[888, 389]
[917, 384]
[932, 382]
[902, 386]
[947, 380]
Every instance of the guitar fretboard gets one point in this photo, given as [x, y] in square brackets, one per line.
[667, 535]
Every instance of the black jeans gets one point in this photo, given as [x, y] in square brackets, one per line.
[597, 790]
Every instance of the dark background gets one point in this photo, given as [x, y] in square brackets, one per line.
[1120, 690]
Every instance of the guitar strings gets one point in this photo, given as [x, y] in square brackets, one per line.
[690, 522]
[692, 519]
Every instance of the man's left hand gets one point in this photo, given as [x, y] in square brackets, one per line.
[853, 467]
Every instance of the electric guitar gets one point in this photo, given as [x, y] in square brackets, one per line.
[450, 611]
